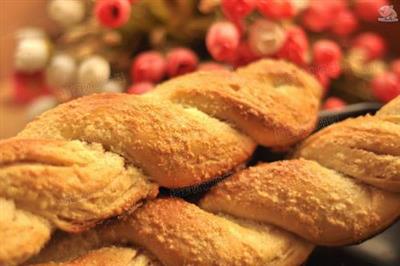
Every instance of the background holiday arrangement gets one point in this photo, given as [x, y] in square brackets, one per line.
[90, 46]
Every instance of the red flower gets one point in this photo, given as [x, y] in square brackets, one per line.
[386, 86]
[345, 23]
[276, 9]
[148, 66]
[222, 40]
[320, 15]
[237, 9]
[181, 61]
[373, 44]
[327, 56]
[334, 103]
[112, 13]
[322, 77]
[243, 56]
[295, 47]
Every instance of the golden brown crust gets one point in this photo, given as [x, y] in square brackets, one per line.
[255, 99]
[32, 233]
[64, 247]
[91, 159]
[108, 256]
[72, 184]
[66, 184]
[180, 233]
[321, 205]
[366, 148]
[174, 146]
[317, 198]
[301, 196]
[391, 108]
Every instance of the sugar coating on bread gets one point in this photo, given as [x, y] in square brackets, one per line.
[102, 155]
[180, 233]
[272, 213]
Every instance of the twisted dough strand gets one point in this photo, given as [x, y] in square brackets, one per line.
[180, 233]
[110, 256]
[68, 168]
[333, 195]
[270, 101]
[302, 196]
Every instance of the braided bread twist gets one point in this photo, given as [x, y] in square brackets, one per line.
[307, 197]
[101, 155]
[317, 201]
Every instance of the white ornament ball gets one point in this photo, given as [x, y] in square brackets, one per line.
[266, 37]
[93, 73]
[66, 12]
[31, 54]
[61, 71]
[41, 105]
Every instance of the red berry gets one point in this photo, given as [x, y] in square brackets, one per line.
[338, 5]
[28, 86]
[243, 56]
[222, 40]
[318, 16]
[386, 86]
[368, 10]
[324, 80]
[148, 66]
[327, 56]
[112, 13]
[276, 9]
[181, 61]
[334, 103]
[211, 66]
[295, 47]
[395, 67]
[140, 88]
[345, 23]
[321, 76]
[373, 44]
[237, 9]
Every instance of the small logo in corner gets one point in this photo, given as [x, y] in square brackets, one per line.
[388, 14]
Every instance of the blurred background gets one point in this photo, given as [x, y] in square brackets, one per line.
[52, 51]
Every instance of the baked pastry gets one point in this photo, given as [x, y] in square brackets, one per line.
[255, 209]
[102, 155]
[110, 256]
[339, 190]
[180, 233]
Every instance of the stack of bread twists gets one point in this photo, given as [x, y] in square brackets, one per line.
[93, 166]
